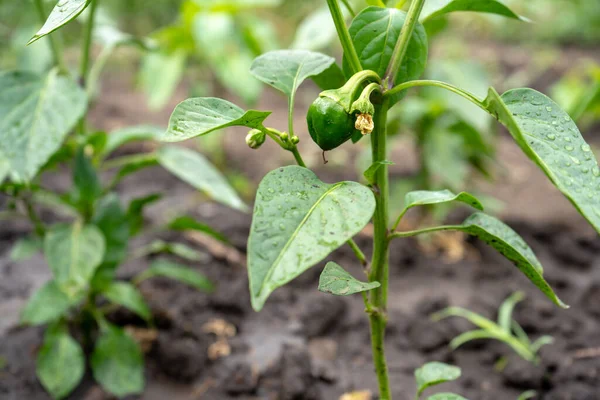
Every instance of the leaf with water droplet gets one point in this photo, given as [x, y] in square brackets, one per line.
[335, 280]
[64, 12]
[426, 197]
[322, 218]
[202, 115]
[565, 165]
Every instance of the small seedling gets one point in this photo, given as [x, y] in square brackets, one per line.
[435, 373]
[506, 329]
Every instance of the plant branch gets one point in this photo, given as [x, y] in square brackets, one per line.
[87, 43]
[402, 214]
[419, 83]
[379, 263]
[349, 8]
[408, 28]
[40, 229]
[425, 230]
[55, 44]
[358, 252]
[344, 35]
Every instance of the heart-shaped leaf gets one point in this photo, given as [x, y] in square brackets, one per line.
[202, 115]
[426, 197]
[436, 8]
[73, 253]
[127, 295]
[435, 373]
[335, 280]
[285, 70]
[375, 31]
[193, 168]
[298, 220]
[60, 362]
[550, 138]
[36, 114]
[117, 363]
[64, 12]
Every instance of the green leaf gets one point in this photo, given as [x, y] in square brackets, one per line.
[527, 395]
[47, 304]
[135, 212]
[60, 362]
[550, 138]
[436, 8]
[375, 32]
[506, 310]
[117, 363]
[435, 373]
[178, 249]
[202, 115]
[508, 243]
[186, 223]
[445, 396]
[120, 137]
[372, 170]
[85, 181]
[25, 248]
[298, 220]
[37, 114]
[193, 168]
[316, 31]
[134, 164]
[127, 295]
[73, 253]
[170, 67]
[285, 70]
[232, 58]
[64, 12]
[112, 221]
[331, 78]
[177, 272]
[335, 280]
[426, 197]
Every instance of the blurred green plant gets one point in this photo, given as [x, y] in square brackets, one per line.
[222, 35]
[43, 117]
[579, 93]
[505, 329]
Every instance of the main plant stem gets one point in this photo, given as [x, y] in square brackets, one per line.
[379, 263]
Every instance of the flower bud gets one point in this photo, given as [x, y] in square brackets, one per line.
[255, 138]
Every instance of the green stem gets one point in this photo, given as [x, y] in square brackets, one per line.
[40, 229]
[54, 42]
[340, 25]
[408, 28]
[399, 219]
[349, 8]
[426, 230]
[358, 252]
[463, 93]
[87, 43]
[85, 56]
[379, 263]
